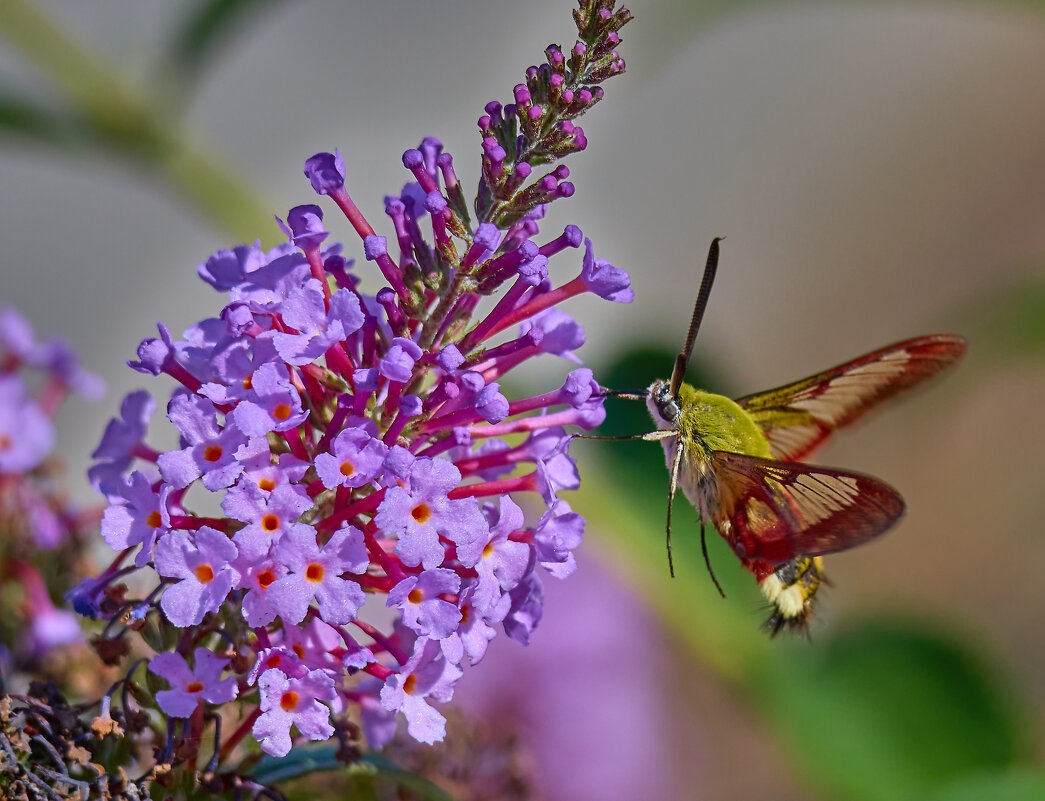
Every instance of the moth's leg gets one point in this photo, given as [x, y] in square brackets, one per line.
[673, 484]
[704, 550]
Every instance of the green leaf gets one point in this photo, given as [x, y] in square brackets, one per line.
[209, 26]
[1011, 786]
[301, 760]
[887, 710]
[370, 770]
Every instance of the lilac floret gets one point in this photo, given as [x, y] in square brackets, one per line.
[228, 268]
[605, 280]
[562, 334]
[211, 450]
[191, 685]
[317, 328]
[558, 533]
[500, 562]
[326, 172]
[418, 516]
[315, 573]
[398, 363]
[257, 577]
[268, 515]
[304, 226]
[26, 433]
[423, 610]
[427, 674]
[287, 702]
[526, 610]
[355, 459]
[155, 355]
[491, 404]
[204, 568]
[272, 405]
[139, 520]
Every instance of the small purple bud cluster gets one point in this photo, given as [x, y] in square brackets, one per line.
[538, 127]
[364, 454]
[41, 534]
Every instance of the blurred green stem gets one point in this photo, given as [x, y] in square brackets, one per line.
[132, 124]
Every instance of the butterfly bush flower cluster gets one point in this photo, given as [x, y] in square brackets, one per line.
[41, 533]
[356, 506]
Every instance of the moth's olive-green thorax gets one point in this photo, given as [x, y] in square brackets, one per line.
[706, 421]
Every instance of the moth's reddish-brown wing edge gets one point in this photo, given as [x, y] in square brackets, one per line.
[797, 418]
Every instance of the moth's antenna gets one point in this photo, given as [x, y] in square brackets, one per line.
[698, 313]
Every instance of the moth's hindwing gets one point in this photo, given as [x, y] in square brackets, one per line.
[774, 511]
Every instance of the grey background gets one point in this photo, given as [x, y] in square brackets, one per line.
[879, 171]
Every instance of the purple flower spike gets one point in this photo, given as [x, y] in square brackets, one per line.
[287, 702]
[359, 442]
[204, 569]
[191, 685]
[315, 573]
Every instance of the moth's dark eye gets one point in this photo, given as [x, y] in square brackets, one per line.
[667, 406]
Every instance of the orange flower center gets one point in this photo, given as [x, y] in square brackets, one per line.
[194, 687]
[410, 684]
[314, 572]
[205, 574]
[270, 522]
[212, 453]
[289, 701]
[267, 484]
[5, 442]
[281, 412]
[421, 513]
[347, 468]
[415, 596]
[154, 520]
[266, 577]
[487, 550]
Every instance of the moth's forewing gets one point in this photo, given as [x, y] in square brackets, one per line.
[799, 417]
[773, 511]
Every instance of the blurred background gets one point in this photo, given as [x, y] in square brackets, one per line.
[878, 171]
